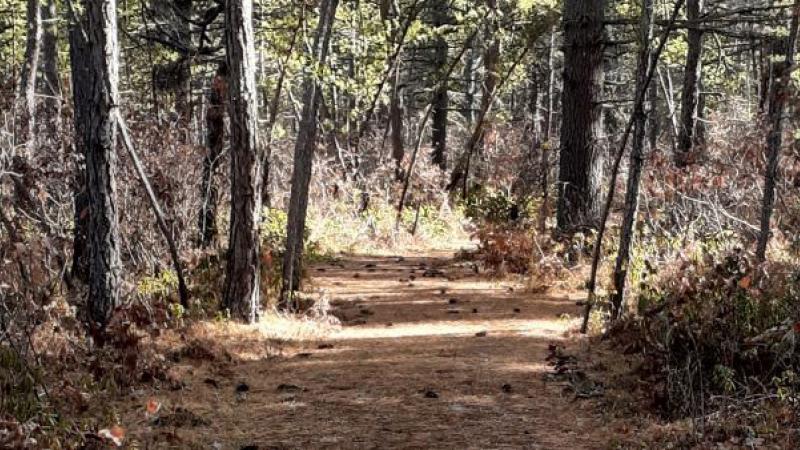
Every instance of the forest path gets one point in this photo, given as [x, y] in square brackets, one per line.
[429, 355]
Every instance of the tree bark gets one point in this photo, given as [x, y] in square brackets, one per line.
[101, 164]
[636, 161]
[441, 97]
[779, 91]
[26, 116]
[396, 125]
[765, 71]
[581, 162]
[215, 141]
[656, 118]
[303, 160]
[242, 282]
[690, 97]
[50, 79]
[81, 74]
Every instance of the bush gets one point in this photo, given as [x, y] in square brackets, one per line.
[721, 328]
[487, 206]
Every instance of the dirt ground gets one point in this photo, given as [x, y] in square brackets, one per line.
[428, 355]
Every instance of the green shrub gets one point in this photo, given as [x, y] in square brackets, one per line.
[491, 206]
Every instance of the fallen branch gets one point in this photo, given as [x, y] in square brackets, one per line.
[183, 292]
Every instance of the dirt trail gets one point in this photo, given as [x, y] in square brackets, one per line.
[429, 355]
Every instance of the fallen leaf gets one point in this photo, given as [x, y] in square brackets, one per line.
[745, 282]
[152, 408]
[115, 434]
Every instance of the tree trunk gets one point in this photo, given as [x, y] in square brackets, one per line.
[581, 162]
[547, 129]
[51, 82]
[655, 119]
[215, 137]
[242, 281]
[441, 98]
[526, 182]
[26, 116]
[82, 102]
[183, 91]
[304, 158]
[101, 161]
[636, 161]
[765, 70]
[665, 79]
[491, 66]
[690, 98]
[779, 91]
[470, 65]
[396, 124]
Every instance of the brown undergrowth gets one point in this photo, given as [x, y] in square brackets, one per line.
[709, 361]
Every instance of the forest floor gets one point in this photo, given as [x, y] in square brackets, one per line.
[429, 354]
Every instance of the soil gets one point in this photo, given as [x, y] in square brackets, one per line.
[429, 354]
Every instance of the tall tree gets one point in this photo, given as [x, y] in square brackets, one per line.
[242, 281]
[101, 160]
[304, 158]
[441, 94]
[396, 113]
[636, 159]
[581, 162]
[547, 130]
[491, 67]
[26, 124]
[81, 74]
[690, 97]
[215, 137]
[779, 91]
